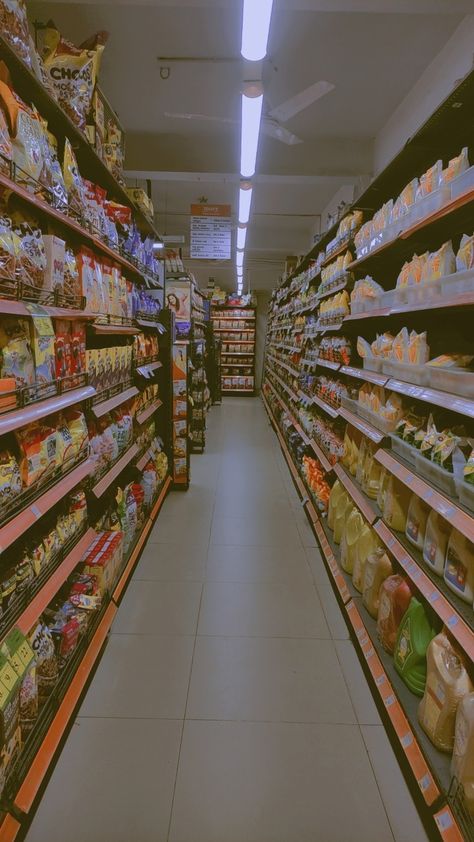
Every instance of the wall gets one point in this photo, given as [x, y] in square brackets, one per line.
[451, 64]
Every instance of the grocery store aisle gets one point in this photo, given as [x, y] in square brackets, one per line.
[229, 704]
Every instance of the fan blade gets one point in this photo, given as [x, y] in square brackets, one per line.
[300, 101]
[176, 115]
[273, 129]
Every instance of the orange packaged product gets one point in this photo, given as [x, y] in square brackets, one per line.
[38, 444]
[394, 599]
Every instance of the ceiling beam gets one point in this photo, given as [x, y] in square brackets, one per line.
[233, 178]
[409, 7]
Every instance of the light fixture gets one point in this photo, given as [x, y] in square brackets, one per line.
[255, 27]
[250, 130]
[245, 198]
[158, 245]
[241, 235]
[239, 259]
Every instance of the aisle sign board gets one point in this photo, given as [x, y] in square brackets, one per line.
[211, 232]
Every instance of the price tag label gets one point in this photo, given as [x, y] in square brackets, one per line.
[390, 700]
[424, 782]
[444, 820]
[35, 511]
[407, 740]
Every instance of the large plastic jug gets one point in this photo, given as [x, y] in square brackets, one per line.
[413, 638]
[394, 599]
[417, 518]
[462, 763]
[377, 567]
[447, 682]
[459, 566]
[354, 525]
[344, 507]
[363, 452]
[347, 455]
[354, 459]
[436, 541]
[367, 543]
[334, 496]
[396, 503]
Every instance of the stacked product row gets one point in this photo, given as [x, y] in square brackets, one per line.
[369, 382]
[236, 328]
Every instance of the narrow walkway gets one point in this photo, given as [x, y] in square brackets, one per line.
[229, 705]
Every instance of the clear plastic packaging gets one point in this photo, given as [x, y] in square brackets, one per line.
[454, 380]
[435, 474]
[408, 372]
[405, 450]
[372, 363]
[462, 183]
[465, 492]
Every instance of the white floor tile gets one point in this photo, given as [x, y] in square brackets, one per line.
[164, 608]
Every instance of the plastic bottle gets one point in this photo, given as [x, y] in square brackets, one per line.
[364, 450]
[354, 459]
[344, 508]
[347, 455]
[377, 568]
[413, 638]
[447, 682]
[367, 543]
[372, 476]
[436, 541]
[462, 763]
[459, 566]
[394, 599]
[397, 500]
[417, 518]
[385, 476]
[336, 491]
[352, 531]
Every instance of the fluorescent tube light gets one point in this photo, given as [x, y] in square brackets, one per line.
[158, 245]
[250, 130]
[239, 259]
[245, 198]
[255, 27]
[241, 235]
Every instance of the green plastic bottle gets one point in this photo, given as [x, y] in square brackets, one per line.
[414, 636]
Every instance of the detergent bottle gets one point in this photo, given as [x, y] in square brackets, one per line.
[397, 500]
[394, 599]
[336, 491]
[462, 763]
[447, 682]
[417, 519]
[367, 543]
[344, 508]
[436, 542]
[377, 567]
[414, 635]
[459, 566]
[354, 525]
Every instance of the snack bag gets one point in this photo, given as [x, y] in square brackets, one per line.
[38, 445]
[47, 669]
[10, 478]
[440, 263]
[73, 181]
[14, 27]
[26, 131]
[455, 167]
[51, 174]
[78, 348]
[42, 340]
[71, 282]
[78, 432]
[7, 250]
[72, 71]
[16, 356]
[62, 348]
[88, 280]
[30, 256]
[465, 255]
[430, 180]
[6, 148]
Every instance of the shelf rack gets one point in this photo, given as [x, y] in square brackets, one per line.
[247, 318]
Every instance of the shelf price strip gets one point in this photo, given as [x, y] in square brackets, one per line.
[357, 495]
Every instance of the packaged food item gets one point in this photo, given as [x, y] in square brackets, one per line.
[413, 638]
[447, 681]
[7, 250]
[377, 568]
[455, 167]
[30, 256]
[14, 27]
[436, 542]
[78, 348]
[71, 283]
[394, 599]
[26, 132]
[72, 71]
[430, 180]
[10, 734]
[465, 254]
[43, 344]
[344, 506]
[405, 200]
[62, 348]
[47, 669]
[6, 148]
[16, 357]
[336, 491]
[417, 519]
[397, 501]
[459, 566]
[439, 263]
[462, 763]
[55, 252]
[73, 181]
[38, 444]
[20, 655]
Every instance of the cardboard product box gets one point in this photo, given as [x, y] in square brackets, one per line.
[91, 367]
[55, 251]
[78, 347]
[180, 467]
[180, 408]
[62, 348]
[140, 198]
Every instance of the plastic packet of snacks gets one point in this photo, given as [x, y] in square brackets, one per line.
[14, 27]
[26, 131]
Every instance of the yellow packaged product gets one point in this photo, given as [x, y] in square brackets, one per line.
[355, 459]
[405, 199]
[354, 525]
[362, 455]
[465, 255]
[10, 478]
[378, 567]
[384, 479]
[26, 132]
[367, 543]
[372, 474]
[343, 507]
[417, 519]
[447, 682]
[462, 763]
[418, 348]
[439, 263]
[430, 180]
[396, 503]
[336, 491]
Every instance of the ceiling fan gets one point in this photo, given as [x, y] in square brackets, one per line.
[272, 121]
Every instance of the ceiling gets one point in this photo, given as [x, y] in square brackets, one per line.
[342, 41]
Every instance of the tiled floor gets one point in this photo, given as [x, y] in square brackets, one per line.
[230, 704]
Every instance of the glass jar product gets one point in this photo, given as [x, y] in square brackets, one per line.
[462, 763]
[459, 566]
[377, 568]
[436, 542]
[417, 518]
[447, 682]
[413, 638]
[394, 599]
